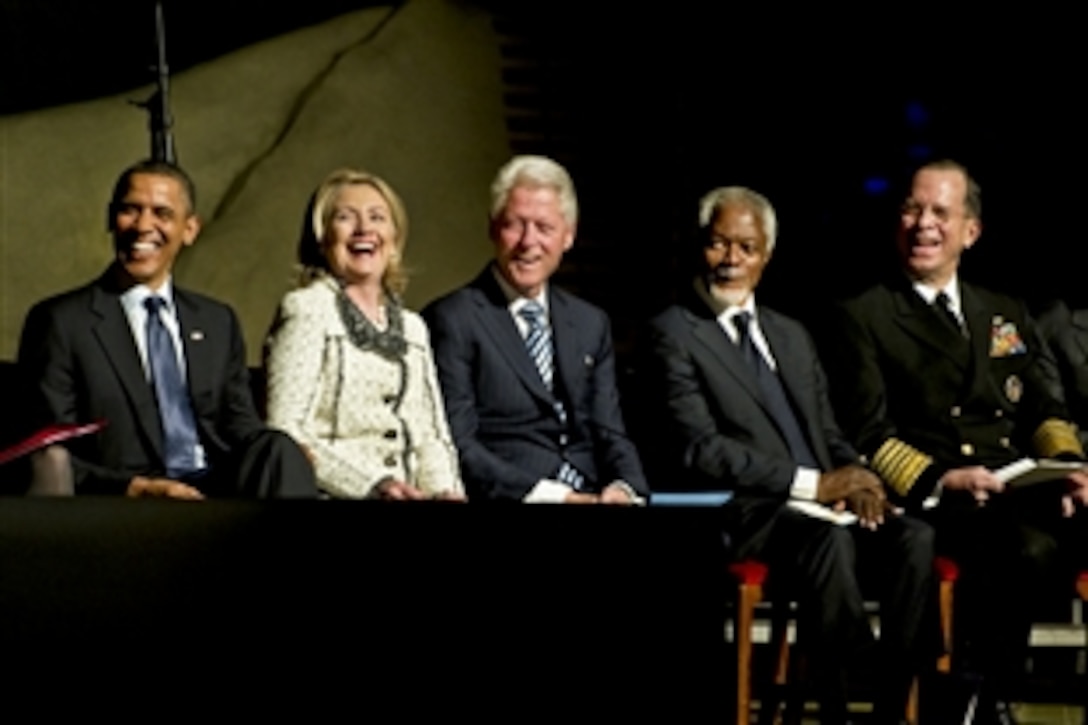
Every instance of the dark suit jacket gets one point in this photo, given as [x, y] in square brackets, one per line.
[502, 416]
[900, 372]
[81, 364]
[1066, 332]
[722, 430]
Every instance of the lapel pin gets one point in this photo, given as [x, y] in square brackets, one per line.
[196, 335]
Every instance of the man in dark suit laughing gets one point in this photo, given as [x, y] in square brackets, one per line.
[163, 367]
[527, 370]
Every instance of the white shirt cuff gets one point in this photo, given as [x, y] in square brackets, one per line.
[548, 491]
[805, 483]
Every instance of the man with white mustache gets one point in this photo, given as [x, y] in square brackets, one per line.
[746, 401]
[939, 383]
[163, 367]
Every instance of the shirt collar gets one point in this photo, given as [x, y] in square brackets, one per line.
[514, 299]
[133, 298]
[929, 292]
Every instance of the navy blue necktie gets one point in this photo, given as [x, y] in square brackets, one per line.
[175, 410]
[774, 395]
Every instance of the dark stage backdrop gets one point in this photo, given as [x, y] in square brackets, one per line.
[824, 112]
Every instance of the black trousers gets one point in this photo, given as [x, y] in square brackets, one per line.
[1017, 556]
[830, 571]
[269, 464]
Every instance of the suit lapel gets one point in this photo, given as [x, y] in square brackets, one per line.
[788, 360]
[118, 346]
[1079, 320]
[979, 324]
[564, 335]
[791, 371]
[494, 317]
[200, 376]
[707, 330]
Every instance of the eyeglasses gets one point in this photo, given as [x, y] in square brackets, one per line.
[915, 211]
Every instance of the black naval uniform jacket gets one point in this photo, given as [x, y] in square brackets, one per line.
[919, 398]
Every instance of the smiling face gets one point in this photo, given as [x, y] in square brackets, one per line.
[735, 254]
[360, 235]
[151, 222]
[935, 226]
[530, 235]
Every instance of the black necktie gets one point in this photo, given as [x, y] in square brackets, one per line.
[175, 410]
[944, 308]
[774, 395]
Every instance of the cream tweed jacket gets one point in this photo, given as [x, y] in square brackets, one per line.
[363, 417]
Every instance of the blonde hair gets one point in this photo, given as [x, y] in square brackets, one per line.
[315, 226]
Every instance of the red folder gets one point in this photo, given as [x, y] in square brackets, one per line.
[48, 436]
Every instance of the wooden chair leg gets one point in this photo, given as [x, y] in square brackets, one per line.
[912, 702]
[749, 576]
[1082, 592]
[947, 574]
[770, 707]
[748, 596]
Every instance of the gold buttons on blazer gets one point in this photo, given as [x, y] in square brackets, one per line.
[967, 449]
[955, 412]
[1003, 442]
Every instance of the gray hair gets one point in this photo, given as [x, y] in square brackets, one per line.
[534, 172]
[713, 201]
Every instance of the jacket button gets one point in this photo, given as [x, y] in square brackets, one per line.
[563, 439]
[390, 434]
[967, 449]
[998, 413]
[955, 412]
[1004, 442]
[389, 400]
[390, 461]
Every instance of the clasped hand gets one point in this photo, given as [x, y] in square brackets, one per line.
[857, 489]
[393, 490]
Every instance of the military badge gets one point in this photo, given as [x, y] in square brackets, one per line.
[1014, 388]
[1005, 339]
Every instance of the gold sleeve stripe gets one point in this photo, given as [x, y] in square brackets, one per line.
[900, 464]
[1055, 437]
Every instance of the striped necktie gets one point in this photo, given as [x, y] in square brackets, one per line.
[538, 343]
[539, 340]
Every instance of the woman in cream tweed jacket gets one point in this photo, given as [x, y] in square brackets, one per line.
[350, 371]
